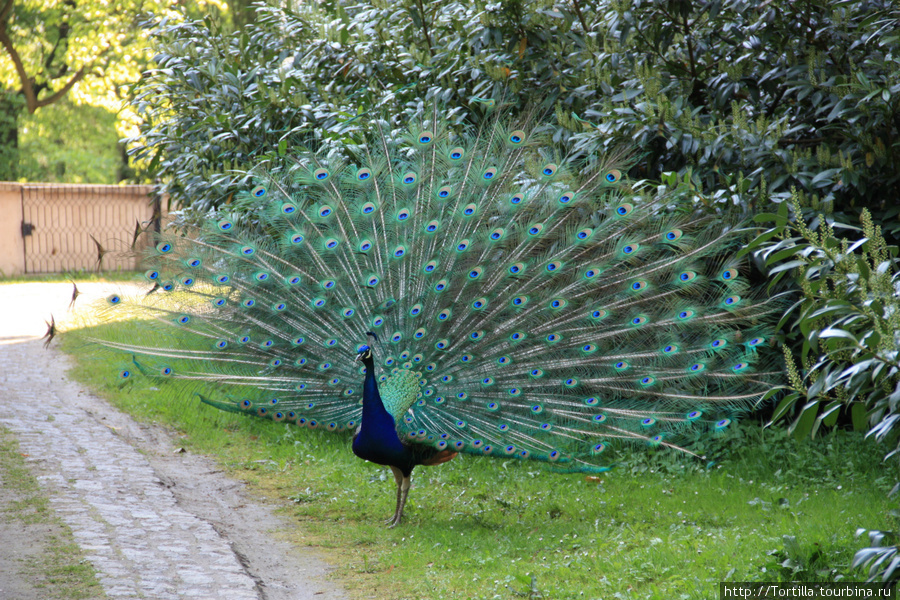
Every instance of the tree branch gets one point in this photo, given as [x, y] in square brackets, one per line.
[580, 16]
[425, 32]
[62, 92]
[27, 88]
[5, 12]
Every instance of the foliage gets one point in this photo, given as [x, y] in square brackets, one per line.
[82, 52]
[71, 144]
[725, 92]
[846, 322]
[880, 559]
[10, 106]
[786, 94]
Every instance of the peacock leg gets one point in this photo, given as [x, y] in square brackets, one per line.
[398, 478]
[403, 483]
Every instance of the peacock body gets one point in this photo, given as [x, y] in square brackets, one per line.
[500, 301]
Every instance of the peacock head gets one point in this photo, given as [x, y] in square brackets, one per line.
[365, 354]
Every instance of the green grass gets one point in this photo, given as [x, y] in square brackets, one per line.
[58, 567]
[660, 525]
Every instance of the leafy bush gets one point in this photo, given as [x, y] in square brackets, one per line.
[881, 560]
[752, 98]
[846, 323]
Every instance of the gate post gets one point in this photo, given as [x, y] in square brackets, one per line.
[12, 244]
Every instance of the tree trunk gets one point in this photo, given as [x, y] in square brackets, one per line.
[11, 104]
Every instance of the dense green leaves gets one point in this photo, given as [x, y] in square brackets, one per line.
[747, 99]
[72, 144]
[844, 327]
[879, 560]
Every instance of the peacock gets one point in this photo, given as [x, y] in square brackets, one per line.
[442, 289]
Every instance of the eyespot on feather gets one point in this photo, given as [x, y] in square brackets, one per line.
[425, 138]
[624, 209]
[673, 235]
[517, 137]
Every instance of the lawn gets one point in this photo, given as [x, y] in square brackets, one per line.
[660, 525]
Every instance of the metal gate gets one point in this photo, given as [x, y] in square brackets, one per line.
[83, 227]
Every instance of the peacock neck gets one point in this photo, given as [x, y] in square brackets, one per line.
[373, 408]
[377, 439]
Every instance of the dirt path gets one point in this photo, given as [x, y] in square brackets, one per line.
[154, 523]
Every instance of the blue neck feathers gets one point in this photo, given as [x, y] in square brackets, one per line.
[377, 440]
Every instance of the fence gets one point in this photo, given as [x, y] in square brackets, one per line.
[51, 228]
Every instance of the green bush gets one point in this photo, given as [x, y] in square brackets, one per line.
[749, 100]
[845, 324]
[880, 560]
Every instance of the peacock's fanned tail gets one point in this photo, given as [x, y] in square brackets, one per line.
[524, 306]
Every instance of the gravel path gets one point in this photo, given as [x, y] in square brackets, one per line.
[155, 524]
